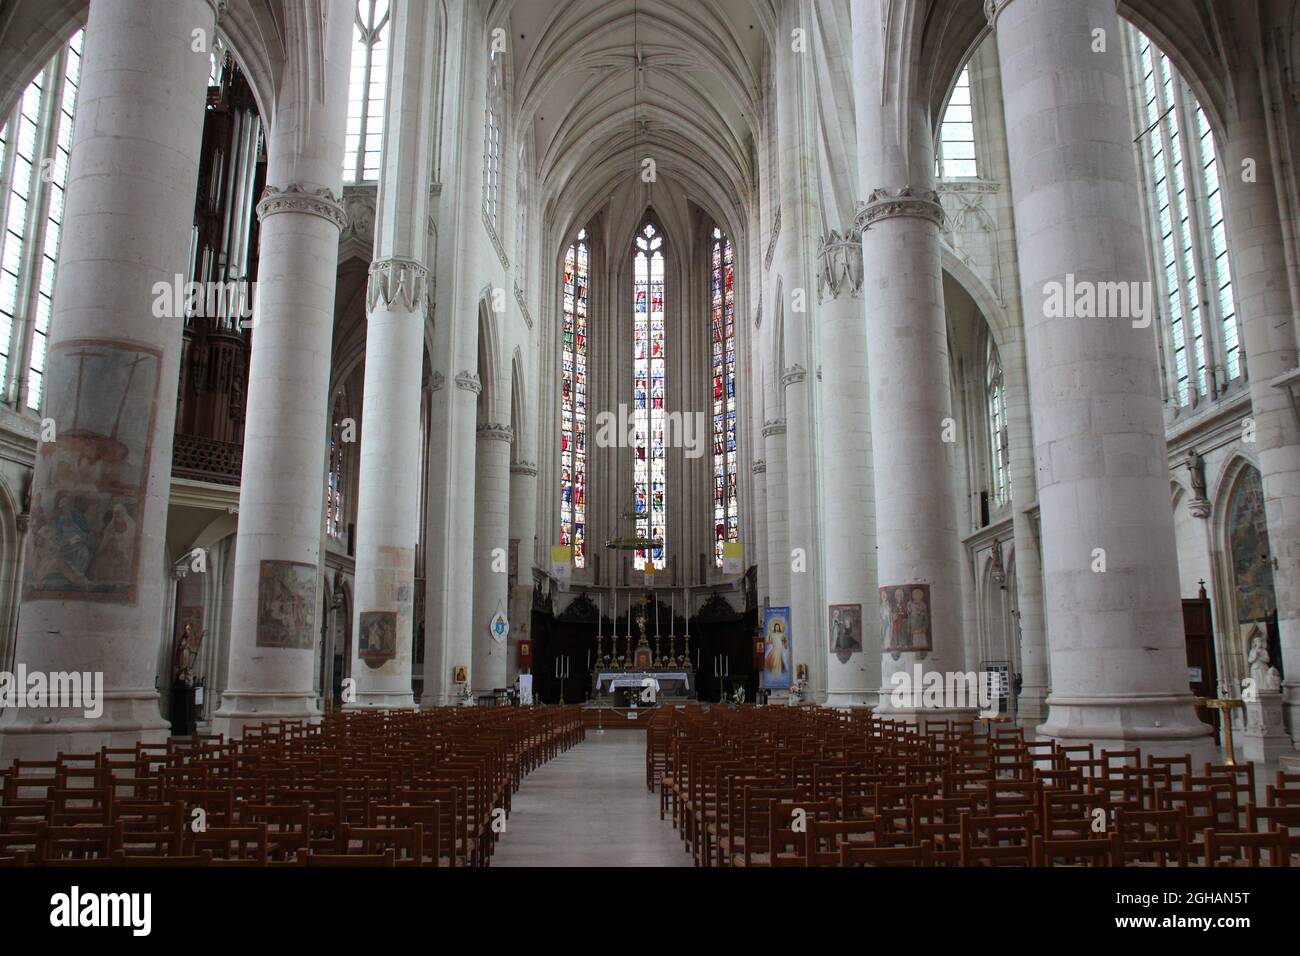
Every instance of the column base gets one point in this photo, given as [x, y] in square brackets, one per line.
[444, 700]
[128, 718]
[249, 708]
[1291, 709]
[1031, 706]
[1264, 739]
[1161, 726]
[853, 698]
[383, 700]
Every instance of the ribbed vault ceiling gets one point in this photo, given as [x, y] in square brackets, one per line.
[603, 84]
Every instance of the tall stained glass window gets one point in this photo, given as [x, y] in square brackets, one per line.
[367, 88]
[955, 156]
[722, 310]
[494, 114]
[1180, 172]
[573, 403]
[35, 142]
[336, 478]
[648, 414]
[997, 426]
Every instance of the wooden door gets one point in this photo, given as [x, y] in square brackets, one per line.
[1202, 674]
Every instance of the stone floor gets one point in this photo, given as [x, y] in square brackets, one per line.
[590, 807]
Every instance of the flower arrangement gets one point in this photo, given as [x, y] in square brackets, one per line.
[738, 695]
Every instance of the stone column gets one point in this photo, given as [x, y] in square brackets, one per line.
[388, 498]
[849, 565]
[396, 301]
[918, 611]
[757, 509]
[449, 588]
[95, 583]
[778, 529]
[1110, 570]
[1268, 330]
[523, 529]
[1031, 707]
[491, 550]
[277, 597]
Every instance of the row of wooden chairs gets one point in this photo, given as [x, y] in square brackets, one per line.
[429, 788]
[811, 786]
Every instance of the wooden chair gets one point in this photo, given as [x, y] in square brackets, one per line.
[996, 840]
[406, 843]
[248, 846]
[385, 860]
[852, 854]
[120, 858]
[1151, 837]
[1243, 849]
[1085, 852]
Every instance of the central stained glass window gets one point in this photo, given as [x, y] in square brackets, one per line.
[649, 476]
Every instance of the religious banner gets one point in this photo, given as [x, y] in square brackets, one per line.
[562, 563]
[777, 654]
[499, 626]
[526, 689]
[846, 630]
[378, 637]
[649, 574]
[526, 655]
[905, 618]
[733, 557]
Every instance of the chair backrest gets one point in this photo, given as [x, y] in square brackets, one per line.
[1243, 849]
[1152, 836]
[852, 854]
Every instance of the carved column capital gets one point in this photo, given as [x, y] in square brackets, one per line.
[884, 203]
[396, 284]
[298, 198]
[759, 467]
[495, 431]
[469, 382]
[526, 468]
[991, 10]
[774, 427]
[437, 380]
[793, 375]
[839, 262]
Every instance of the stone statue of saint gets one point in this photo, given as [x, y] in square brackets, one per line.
[187, 649]
[1196, 473]
[1259, 661]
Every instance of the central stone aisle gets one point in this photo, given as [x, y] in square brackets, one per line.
[590, 807]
